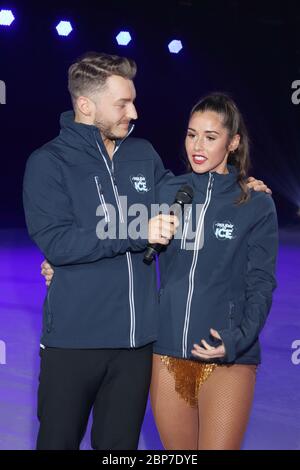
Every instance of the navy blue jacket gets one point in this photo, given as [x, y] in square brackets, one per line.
[102, 295]
[227, 283]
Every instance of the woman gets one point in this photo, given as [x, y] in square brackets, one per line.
[216, 288]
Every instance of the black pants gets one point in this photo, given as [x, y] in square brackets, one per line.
[114, 382]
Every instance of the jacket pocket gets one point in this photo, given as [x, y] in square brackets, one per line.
[101, 198]
[236, 309]
[48, 307]
[231, 314]
[160, 293]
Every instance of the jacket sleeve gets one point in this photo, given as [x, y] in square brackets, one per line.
[51, 222]
[260, 281]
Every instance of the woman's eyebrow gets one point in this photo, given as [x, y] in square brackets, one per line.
[208, 131]
[215, 132]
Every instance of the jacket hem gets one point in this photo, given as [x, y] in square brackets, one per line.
[173, 353]
[80, 344]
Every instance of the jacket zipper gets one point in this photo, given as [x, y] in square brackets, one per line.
[185, 230]
[194, 264]
[101, 198]
[113, 183]
[131, 301]
[128, 254]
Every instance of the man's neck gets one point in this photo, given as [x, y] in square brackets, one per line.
[109, 144]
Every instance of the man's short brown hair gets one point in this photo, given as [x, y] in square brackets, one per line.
[90, 72]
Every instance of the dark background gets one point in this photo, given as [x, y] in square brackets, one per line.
[248, 49]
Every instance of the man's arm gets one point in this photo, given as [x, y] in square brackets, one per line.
[161, 229]
[52, 225]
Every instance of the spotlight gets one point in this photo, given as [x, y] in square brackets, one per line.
[175, 46]
[64, 28]
[6, 17]
[123, 38]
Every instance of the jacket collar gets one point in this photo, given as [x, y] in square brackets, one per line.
[221, 183]
[83, 135]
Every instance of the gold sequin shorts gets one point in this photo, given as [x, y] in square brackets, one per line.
[189, 376]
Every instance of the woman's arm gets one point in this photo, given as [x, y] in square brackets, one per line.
[260, 279]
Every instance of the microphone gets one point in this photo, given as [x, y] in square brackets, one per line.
[183, 196]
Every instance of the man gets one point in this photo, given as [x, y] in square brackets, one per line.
[98, 323]
[99, 313]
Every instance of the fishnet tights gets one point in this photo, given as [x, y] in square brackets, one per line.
[217, 420]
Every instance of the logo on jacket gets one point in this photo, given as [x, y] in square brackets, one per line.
[139, 183]
[224, 230]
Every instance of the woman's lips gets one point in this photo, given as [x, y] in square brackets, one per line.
[199, 159]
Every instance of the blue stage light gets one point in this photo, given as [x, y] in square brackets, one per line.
[123, 38]
[175, 46]
[64, 28]
[6, 17]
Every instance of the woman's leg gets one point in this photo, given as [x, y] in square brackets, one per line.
[176, 420]
[224, 405]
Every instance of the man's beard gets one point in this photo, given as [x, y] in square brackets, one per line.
[106, 131]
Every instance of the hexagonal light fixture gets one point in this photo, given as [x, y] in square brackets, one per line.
[6, 17]
[64, 28]
[175, 46]
[123, 38]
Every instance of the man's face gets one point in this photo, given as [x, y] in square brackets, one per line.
[114, 107]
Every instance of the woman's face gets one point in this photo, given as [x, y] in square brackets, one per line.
[207, 143]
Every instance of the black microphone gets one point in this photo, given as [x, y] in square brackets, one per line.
[183, 196]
